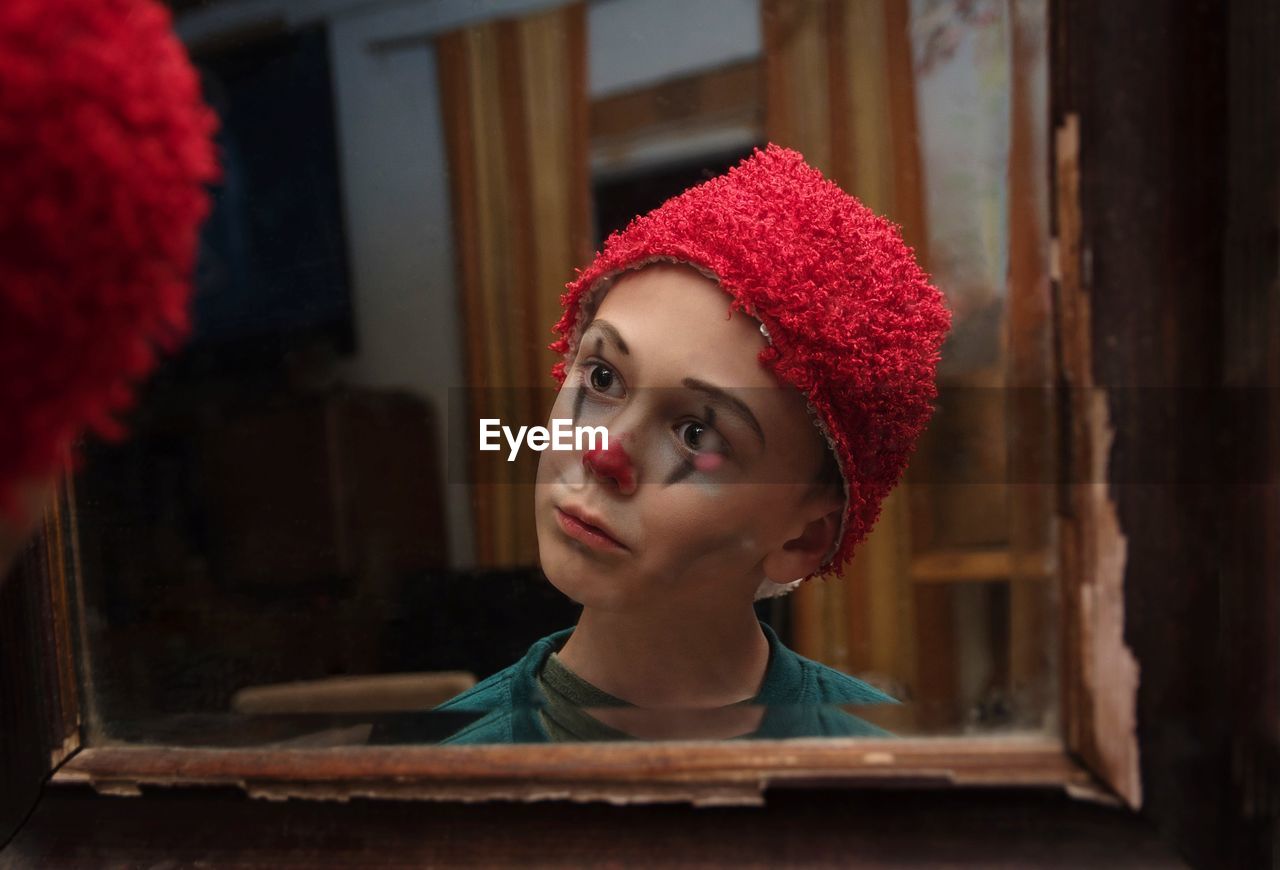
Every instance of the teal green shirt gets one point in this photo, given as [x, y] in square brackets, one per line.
[800, 695]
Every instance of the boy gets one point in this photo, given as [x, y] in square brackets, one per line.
[761, 350]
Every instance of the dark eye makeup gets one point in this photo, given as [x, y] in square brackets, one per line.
[599, 377]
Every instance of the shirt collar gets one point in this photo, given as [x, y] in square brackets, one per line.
[783, 677]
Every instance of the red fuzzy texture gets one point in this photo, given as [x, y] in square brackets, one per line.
[106, 148]
[853, 320]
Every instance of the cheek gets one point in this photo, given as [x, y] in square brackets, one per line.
[550, 466]
[697, 522]
[551, 463]
[563, 405]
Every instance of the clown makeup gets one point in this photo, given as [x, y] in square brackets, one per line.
[709, 458]
[699, 449]
[705, 451]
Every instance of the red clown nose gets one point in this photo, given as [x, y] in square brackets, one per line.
[611, 462]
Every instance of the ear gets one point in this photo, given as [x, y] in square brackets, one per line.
[802, 554]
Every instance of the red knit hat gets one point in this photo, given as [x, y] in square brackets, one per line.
[851, 319]
[106, 147]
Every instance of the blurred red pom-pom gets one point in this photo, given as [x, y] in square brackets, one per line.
[107, 148]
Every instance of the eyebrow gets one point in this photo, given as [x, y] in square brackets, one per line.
[732, 404]
[611, 332]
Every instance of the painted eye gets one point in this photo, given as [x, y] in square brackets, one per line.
[700, 438]
[600, 377]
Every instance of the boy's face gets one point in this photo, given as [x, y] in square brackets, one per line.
[705, 496]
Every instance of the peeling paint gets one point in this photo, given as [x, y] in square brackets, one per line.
[1110, 671]
[1102, 675]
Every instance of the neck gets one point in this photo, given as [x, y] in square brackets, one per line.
[672, 657]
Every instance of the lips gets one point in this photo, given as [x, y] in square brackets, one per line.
[580, 523]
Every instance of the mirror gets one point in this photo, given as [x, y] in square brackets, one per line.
[303, 543]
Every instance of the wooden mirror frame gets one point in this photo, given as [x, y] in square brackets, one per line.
[1097, 757]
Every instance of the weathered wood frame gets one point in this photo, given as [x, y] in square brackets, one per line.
[699, 773]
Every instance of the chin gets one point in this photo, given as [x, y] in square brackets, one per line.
[578, 580]
[554, 559]
[572, 590]
[579, 584]
[572, 572]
